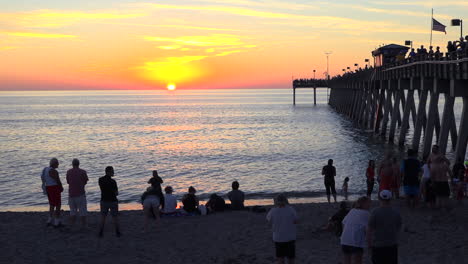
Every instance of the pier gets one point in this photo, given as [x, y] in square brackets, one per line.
[311, 84]
[382, 99]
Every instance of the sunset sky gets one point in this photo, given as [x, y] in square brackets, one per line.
[102, 44]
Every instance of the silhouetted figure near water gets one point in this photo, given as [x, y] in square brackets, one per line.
[77, 179]
[370, 178]
[411, 171]
[412, 54]
[215, 204]
[156, 182]
[52, 187]
[151, 203]
[329, 172]
[190, 201]
[236, 197]
[109, 202]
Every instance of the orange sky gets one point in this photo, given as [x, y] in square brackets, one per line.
[201, 44]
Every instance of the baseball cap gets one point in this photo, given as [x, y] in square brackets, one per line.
[385, 195]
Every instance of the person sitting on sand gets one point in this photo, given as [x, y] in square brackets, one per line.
[334, 222]
[382, 231]
[156, 182]
[345, 188]
[353, 239]
[283, 219]
[215, 204]
[236, 197]
[190, 201]
[170, 202]
[150, 201]
[52, 187]
[109, 202]
[329, 173]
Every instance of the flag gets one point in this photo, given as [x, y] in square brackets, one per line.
[437, 26]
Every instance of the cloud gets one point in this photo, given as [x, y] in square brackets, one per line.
[215, 40]
[424, 3]
[174, 26]
[37, 35]
[60, 18]
[319, 22]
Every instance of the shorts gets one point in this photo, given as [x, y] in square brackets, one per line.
[385, 255]
[330, 187]
[411, 190]
[351, 250]
[53, 194]
[113, 207]
[151, 202]
[286, 249]
[78, 205]
[441, 189]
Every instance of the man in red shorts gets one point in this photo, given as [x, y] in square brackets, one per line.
[53, 188]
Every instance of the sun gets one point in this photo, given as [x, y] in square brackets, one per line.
[171, 87]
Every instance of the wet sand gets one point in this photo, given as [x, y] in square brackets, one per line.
[230, 237]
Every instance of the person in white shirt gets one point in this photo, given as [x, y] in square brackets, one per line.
[353, 238]
[283, 219]
[170, 201]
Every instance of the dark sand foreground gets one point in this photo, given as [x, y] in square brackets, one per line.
[230, 237]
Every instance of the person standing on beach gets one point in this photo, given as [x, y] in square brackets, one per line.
[77, 179]
[382, 231]
[386, 173]
[109, 202]
[236, 197]
[411, 170]
[440, 174]
[53, 188]
[370, 177]
[353, 238]
[156, 182]
[283, 219]
[329, 172]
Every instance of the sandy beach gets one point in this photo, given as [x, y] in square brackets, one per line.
[229, 237]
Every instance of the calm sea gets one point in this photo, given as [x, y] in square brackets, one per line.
[200, 138]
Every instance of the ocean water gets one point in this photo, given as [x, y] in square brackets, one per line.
[200, 138]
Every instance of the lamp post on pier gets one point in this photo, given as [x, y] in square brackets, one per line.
[314, 73]
[327, 53]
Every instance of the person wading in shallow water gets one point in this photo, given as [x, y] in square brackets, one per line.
[329, 173]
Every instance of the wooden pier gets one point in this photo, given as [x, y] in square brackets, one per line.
[311, 84]
[382, 99]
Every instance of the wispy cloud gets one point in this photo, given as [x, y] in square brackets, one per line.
[215, 40]
[36, 35]
[59, 18]
[173, 26]
[423, 3]
[320, 22]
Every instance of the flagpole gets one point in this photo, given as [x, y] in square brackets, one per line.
[432, 23]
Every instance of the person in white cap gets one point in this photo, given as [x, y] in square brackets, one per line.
[382, 231]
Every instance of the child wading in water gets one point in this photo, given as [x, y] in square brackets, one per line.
[283, 219]
[345, 188]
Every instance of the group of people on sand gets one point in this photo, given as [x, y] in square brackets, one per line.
[431, 179]
[155, 203]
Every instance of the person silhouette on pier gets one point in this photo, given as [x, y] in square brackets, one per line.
[329, 172]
